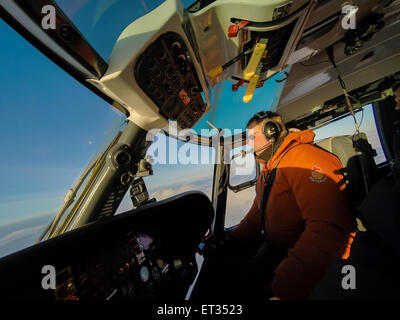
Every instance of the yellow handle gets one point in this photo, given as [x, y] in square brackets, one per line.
[250, 88]
[215, 72]
[254, 60]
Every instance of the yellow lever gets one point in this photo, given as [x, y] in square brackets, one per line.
[254, 60]
[250, 88]
[215, 72]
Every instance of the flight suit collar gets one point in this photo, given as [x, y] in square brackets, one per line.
[294, 138]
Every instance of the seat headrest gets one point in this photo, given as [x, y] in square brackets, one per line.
[357, 158]
[341, 146]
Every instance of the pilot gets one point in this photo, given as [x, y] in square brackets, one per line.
[305, 221]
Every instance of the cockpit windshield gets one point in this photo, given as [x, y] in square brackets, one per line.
[51, 130]
[230, 113]
[102, 21]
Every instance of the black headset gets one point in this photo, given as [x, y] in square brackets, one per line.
[271, 128]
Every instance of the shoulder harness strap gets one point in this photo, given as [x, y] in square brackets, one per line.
[267, 191]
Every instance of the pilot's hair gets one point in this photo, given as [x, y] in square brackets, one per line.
[267, 115]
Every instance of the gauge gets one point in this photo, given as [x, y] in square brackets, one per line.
[144, 274]
[144, 241]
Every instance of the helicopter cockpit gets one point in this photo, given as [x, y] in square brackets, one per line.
[195, 73]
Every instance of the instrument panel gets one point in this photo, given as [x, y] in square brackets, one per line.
[144, 254]
[166, 73]
[137, 268]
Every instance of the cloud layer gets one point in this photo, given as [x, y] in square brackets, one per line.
[238, 204]
[21, 234]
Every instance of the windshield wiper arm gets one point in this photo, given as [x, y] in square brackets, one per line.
[70, 196]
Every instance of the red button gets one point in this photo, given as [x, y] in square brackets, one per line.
[233, 31]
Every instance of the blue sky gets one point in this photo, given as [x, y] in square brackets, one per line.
[50, 126]
[232, 112]
[102, 30]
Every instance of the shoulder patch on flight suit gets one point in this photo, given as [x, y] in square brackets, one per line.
[317, 175]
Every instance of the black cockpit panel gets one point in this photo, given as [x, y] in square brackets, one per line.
[148, 253]
[166, 73]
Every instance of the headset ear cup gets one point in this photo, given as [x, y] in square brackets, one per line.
[271, 130]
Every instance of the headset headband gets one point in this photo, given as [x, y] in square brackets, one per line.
[263, 114]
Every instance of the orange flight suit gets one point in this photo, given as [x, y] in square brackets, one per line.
[306, 214]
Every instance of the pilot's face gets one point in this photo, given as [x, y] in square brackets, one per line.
[256, 138]
[397, 98]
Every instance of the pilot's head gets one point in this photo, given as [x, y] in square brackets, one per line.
[396, 90]
[266, 132]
